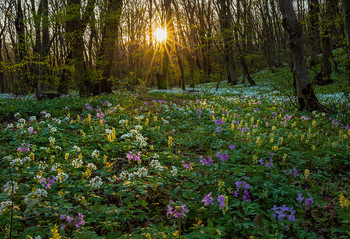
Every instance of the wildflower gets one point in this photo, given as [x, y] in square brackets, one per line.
[96, 182]
[283, 212]
[344, 202]
[232, 147]
[176, 211]
[206, 161]
[221, 200]
[208, 199]
[222, 157]
[130, 156]
[300, 198]
[31, 130]
[308, 201]
[186, 166]
[173, 171]
[307, 173]
[218, 130]
[10, 187]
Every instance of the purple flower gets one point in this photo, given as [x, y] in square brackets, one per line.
[221, 200]
[309, 201]
[169, 211]
[218, 130]
[186, 166]
[205, 161]
[300, 197]
[283, 212]
[63, 216]
[208, 199]
[232, 147]
[179, 211]
[69, 219]
[219, 122]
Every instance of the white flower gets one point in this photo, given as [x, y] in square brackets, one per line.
[122, 121]
[156, 165]
[9, 186]
[95, 154]
[9, 126]
[55, 167]
[17, 115]
[22, 121]
[138, 127]
[96, 182]
[5, 205]
[108, 131]
[173, 170]
[47, 115]
[76, 148]
[62, 177]
[32, 118]
[77, 163]
[91, 166]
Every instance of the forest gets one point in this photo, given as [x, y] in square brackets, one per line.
[174, 119]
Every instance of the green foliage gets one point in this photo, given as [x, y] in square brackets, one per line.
[121, 159]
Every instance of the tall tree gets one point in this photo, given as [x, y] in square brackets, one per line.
[346, 9]
[108, 48]
[225, 18]
[76, 26]
[305, 93]
[314, 32]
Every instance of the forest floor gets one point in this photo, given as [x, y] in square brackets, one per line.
[239, 162]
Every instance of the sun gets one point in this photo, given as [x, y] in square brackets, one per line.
[160, 34]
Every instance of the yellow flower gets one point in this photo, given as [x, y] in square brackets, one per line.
[55, 234]
[66, 156]
[307, 173]
[344, 202]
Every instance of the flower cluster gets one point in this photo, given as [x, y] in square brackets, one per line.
[242, 189]
[141, 172]
[176, 211]
[222, 156]
[95, 154]
[10, 187]
[283, 212]
[156, 165]
[266, 163]
[187, 166]
[209, 200]
[24, 149]
[344, 202]
[308, 201]
[173, 170]
[131, 156]
[78, 221]
[96, 182]
[293, 171]
[47, 182]
[205, 161]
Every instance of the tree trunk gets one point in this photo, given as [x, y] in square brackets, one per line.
[107, 51]
[76, 26]
[305, 93]
[346, 8]
[225, 18]
[326, 43]
[314, 34]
